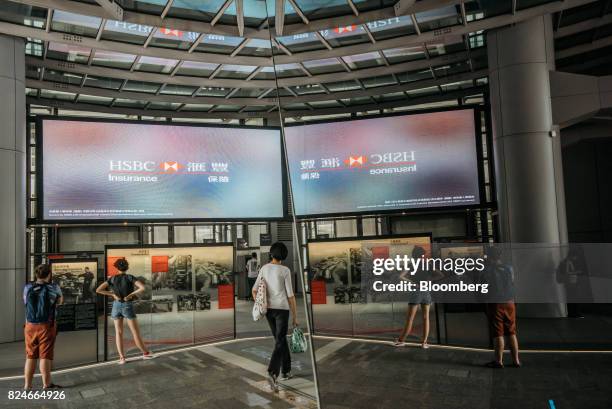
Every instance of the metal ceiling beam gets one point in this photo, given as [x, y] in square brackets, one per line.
[262, 33]
[449, 96]
[584, 48]
[299, 11]
[240, 17]
[353, 7]
[112, 9]
[142, 112]
[134, 49]
[279, 17]
[583, 26]
[231, 83]
[49, 20]
[450, 35]
[251, 101]
[146, 76]
[220, 12]
[166, 9]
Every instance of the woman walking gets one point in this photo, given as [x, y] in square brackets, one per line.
[280, 300]
[124, 288]
[415, 299]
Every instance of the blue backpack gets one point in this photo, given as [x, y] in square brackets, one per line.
[38, 304]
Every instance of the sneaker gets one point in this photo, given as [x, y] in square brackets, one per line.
[399, 343]
[121, 361]
[425, 345]
[148, 355]
[272, 382]
[286, 376]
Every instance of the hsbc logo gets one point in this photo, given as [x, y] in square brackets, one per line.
[132, 165]
[171, 32]
[345, 29]
[170, 167]
[356, 161]
[143, 166]
[392, 157]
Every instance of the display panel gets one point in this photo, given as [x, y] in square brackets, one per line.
[189, 292]
[424, 160]
[76, 278]
[95, 170]
[340, 273]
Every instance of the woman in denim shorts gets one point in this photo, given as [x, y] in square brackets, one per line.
[124, 288]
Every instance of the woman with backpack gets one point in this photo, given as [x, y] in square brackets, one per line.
[124, 288]
[275, 279]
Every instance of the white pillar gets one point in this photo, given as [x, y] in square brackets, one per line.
[527, 146]
[527, 157]
[12, 187]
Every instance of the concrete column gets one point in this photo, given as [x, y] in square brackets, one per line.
[527, 145]
[527, 155]
[12, 187]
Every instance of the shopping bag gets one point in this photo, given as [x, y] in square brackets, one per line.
[298, 341]
[261, 301]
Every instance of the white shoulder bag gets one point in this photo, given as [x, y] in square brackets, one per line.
[261, 301]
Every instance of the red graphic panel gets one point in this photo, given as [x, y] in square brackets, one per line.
[318, 292]
[110, 266]
[55, 256]
[226, 296]
[159, 264]
[380, 252]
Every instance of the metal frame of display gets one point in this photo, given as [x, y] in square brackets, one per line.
[40, 217]
[478, 140]
[162, 246]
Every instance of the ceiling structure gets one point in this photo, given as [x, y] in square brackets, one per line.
[234, 59]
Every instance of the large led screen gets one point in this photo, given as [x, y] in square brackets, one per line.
[402, 162]
[117, 171]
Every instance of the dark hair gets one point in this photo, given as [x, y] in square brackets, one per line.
[254, 255]
[418, 251]
[42, 271]
[121, 264]
[279, 251]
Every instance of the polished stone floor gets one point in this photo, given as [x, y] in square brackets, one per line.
[224, 376]
[351, 374]
[367, 375]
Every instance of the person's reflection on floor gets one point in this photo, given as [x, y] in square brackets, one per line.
[574, 275]
[500, 308]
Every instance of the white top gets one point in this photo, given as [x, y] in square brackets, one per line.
[251, 266]
[278, 281]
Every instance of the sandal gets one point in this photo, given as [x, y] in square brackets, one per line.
[494, 365]
[53, 386]
[399, 343]
[122, 360]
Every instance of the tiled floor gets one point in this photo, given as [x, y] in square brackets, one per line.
[374, 375]
[186, 379]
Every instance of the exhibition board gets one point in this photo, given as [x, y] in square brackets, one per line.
[188, 297]
[340, 272]
[77, 318]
